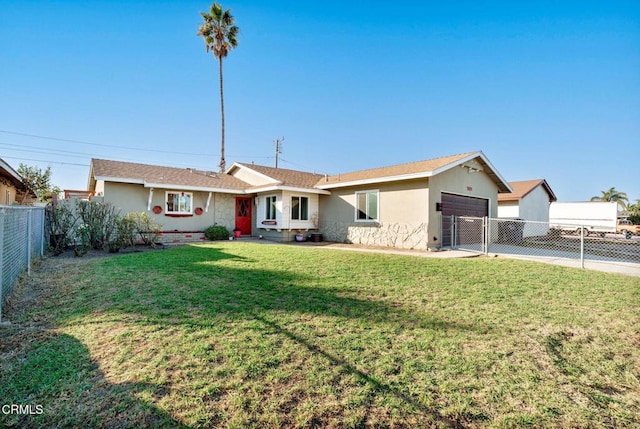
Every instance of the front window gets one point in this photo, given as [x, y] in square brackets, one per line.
[367, 206]
[299, 208]
[270, 208]
[179, 203]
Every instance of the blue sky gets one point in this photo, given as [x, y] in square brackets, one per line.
[545, 89]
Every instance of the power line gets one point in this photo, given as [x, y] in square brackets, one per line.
[46, 160]
[43, 150]
[101, 144]
[47, 151]
[113, 146]
[306, 167]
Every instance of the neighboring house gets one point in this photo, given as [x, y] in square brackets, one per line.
[10, 184]
[529, 201]
[406, 206]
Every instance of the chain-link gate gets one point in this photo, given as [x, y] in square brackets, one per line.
[467, 233]
[539, 239]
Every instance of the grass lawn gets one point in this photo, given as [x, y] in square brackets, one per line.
[234, 334]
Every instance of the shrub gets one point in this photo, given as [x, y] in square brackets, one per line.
[148, 228]
[60, 223]
[216, 232]
[99, 223]
[124, 234]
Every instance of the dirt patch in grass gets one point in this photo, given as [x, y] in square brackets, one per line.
[47, 284]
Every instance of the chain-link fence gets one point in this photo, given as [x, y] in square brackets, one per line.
[540, 239]
[22, 238]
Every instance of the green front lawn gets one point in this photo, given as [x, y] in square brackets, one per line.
[236, 334]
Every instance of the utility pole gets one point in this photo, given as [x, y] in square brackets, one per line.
[278, 143]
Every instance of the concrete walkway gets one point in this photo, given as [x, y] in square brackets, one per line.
[626, 268]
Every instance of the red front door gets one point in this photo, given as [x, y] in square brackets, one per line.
[243, 215]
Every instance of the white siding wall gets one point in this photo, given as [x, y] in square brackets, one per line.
[283, 214]
[509, 209]
[535, 206]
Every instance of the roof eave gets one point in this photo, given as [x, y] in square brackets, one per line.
[174, 187]
[503, 185]
[400, 177]
[120, 180]
[13, 173]
[171, 186]
[238, 166]
[270, 188]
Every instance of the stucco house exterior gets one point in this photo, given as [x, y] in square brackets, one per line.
[286, 201]
[409, 205]
[529, 201]
[406, 206]
[184, 201]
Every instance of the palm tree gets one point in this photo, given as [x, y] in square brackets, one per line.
[614, 196]
[220, 36]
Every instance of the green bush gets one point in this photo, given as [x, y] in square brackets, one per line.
[148, 229]
[98, 223]
[216, 232]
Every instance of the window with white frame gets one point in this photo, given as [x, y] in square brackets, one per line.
[299, 208]
[366, 206]
[179, 202]
[270, 208]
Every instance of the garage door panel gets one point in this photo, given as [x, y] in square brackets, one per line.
[460, 205]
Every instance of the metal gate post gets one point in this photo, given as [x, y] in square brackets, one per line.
[453, 232]
[2, 212]
[29, 240]
[485, 230]
[582, 247]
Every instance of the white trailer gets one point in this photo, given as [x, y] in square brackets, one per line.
[598, 217]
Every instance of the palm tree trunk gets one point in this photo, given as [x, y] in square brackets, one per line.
[222, 161]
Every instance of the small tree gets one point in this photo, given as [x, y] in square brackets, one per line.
[37, 182]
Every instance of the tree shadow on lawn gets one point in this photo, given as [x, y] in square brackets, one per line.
[212, 293]
[58, 385]
[192, 288]
[375, 383]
